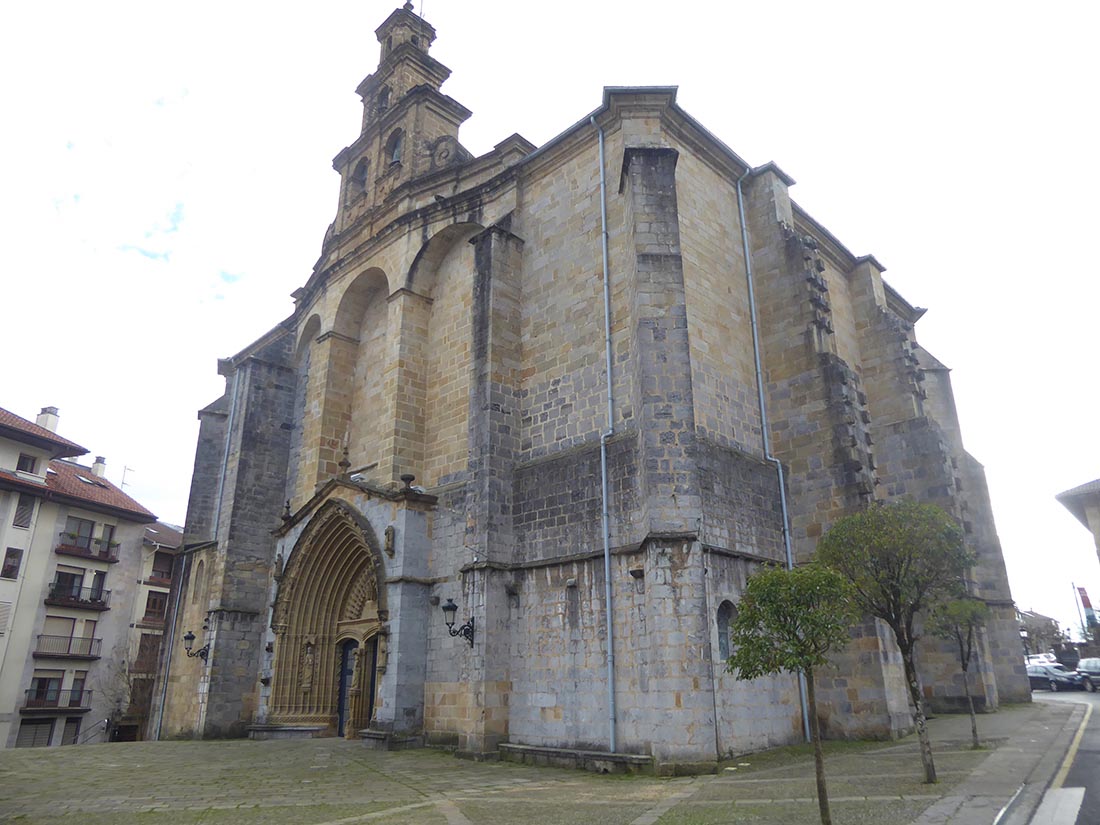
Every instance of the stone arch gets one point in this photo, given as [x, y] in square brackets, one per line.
[307, 337]
[330, 592]
[727, 612]
[425, 266]
[395, 145]
[350, 364]
[444, 273]
[357, 181]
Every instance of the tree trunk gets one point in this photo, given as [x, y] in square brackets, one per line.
[819, 756]
[918, 717]
[973, 717]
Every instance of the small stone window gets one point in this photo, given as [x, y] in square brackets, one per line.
[394, 146]
[357, 182]
[416, 41]
[726, 614]
[198, 581]
[383, 99]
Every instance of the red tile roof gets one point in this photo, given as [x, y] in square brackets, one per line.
[163, 534]
[74, 481]
[12, 426]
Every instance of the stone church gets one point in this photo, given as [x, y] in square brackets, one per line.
[499, 479]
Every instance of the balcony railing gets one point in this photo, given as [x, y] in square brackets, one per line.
[70, 647]
[90, 598]
[85, 547]
[38, 699]
[160, 579]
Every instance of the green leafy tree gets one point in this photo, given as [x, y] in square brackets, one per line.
[790, 620]
[901, 559]
[959, 621]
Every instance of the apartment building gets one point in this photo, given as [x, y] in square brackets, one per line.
[72, 547]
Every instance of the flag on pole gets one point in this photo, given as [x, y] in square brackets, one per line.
[1090, 614]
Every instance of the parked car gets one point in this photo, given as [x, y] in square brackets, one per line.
[1089, 671]
[1054, 677]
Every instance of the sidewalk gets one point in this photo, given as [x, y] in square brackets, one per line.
[1016, 775]
[336, 782]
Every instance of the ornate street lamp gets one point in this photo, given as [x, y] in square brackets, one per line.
[466, 631]
[189, 642]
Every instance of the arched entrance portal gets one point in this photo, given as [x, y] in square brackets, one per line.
[327, 620]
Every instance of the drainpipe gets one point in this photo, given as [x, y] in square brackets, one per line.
[764, 423]
[604, 515]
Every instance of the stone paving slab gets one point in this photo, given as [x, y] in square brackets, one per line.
[335, 782]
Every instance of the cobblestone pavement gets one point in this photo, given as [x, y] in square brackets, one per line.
[335, 782]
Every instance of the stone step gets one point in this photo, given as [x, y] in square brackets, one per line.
[595, 761]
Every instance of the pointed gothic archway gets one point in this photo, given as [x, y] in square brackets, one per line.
[327, 618]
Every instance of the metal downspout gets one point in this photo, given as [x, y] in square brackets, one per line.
[605, 515]
[764, 422]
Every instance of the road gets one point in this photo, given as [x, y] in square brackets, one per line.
[1084, 770]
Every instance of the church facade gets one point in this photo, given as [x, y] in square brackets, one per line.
[577, 393]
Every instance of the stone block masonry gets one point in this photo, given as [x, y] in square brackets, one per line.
[453, 331]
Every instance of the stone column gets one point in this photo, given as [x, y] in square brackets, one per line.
[405, 385]
[661, 358]
[494, 442]
[252, 499]
[820, 429]
[408, 621]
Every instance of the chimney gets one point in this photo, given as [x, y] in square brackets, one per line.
[99, 468]
[48, 419]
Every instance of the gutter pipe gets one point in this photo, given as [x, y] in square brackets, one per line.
[764, 422]
[605, 515]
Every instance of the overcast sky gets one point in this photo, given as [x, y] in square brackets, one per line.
[167, 181]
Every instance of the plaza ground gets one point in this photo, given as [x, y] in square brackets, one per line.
[336, 782]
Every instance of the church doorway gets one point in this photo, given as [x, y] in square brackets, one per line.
[357, 685]
[349, 661]
[329, 619]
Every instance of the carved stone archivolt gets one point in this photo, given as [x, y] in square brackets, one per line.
[329, 593]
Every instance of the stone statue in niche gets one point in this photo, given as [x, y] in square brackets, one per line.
[356, 668]
[383, 653]
[306, 682]
[389, 537]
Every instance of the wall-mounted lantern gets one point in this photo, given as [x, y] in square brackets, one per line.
[189, 642]
[466, 631]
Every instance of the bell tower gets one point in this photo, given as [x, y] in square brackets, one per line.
[409, 127]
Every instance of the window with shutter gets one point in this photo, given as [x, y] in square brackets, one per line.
[34, 733]
[24, 511]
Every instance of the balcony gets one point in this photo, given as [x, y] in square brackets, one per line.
[86, 598]
[57, 701]
[160, 579]
[66, 647]
[85, 547]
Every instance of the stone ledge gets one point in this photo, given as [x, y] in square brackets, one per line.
[595, 761]
[384, 740]
[286, 731]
